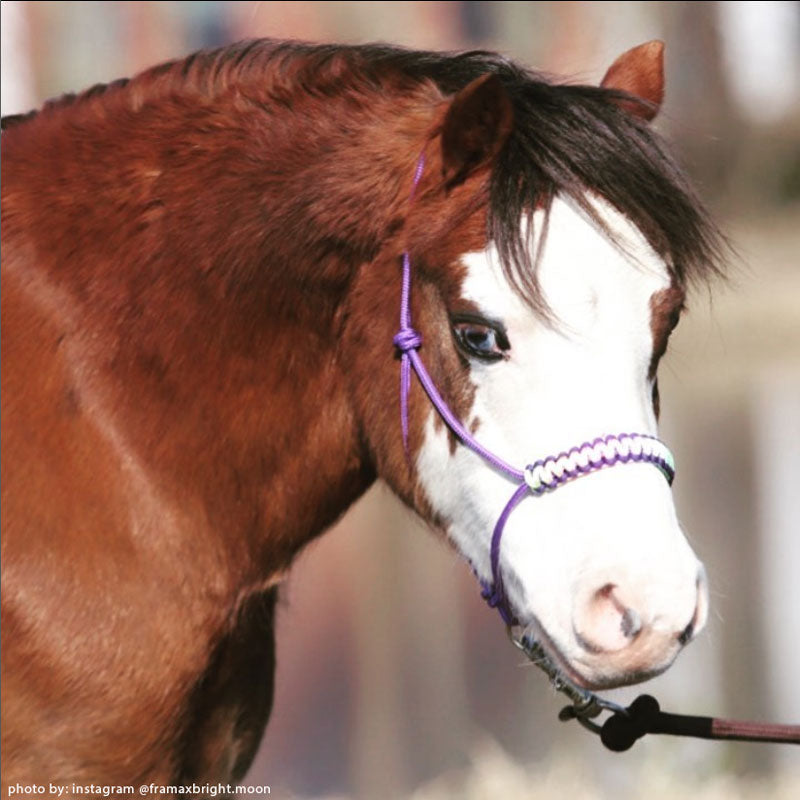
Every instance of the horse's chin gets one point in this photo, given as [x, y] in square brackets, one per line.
[590, 670]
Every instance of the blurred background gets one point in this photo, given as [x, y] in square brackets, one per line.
[394, 679]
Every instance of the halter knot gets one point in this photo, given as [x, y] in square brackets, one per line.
[495, 599]
[407, 339]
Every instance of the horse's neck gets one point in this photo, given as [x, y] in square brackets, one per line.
[203, 260]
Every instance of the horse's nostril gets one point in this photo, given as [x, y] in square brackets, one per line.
[605, 622]
[685, 636]
[631, 623]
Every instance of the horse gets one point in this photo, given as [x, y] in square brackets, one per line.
[203, 271]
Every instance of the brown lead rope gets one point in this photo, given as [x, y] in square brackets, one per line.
[621, 730]
[643, 715]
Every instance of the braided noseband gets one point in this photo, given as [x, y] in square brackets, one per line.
[542, 476]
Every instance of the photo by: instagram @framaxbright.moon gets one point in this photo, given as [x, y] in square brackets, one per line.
[160, 790]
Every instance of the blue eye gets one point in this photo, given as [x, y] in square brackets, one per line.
[481, 339]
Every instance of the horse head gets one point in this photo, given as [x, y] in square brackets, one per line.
[549, 268]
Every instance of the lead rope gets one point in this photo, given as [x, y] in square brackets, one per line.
[644, 715]
[625, 725]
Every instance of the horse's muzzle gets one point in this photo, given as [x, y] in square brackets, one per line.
[619, 637]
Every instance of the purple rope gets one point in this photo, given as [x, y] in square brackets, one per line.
[454, 423]
[531, 480]
[494, 595]
[408, 341]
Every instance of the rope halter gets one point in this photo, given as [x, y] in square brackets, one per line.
[542, 476]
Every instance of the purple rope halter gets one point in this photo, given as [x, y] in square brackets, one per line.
[542, 476]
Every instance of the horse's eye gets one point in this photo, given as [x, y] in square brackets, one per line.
[481, 339]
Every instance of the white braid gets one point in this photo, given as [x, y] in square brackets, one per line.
[590, 457]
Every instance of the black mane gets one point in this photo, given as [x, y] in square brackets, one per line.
[567, 139]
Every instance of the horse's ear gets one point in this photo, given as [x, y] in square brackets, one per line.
[640, 72]
[475, 127]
